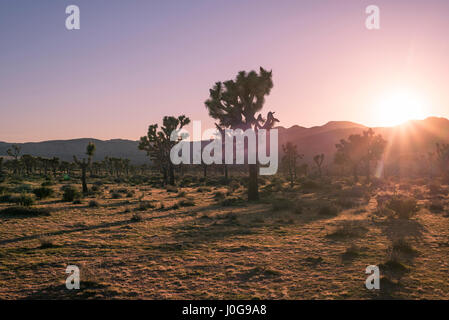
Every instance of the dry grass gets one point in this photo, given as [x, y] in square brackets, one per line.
[154, 245]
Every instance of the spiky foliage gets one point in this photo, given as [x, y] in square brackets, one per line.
[234, 104]
[319, 159]
[360, 150]
[289, 159]
[157, 144]
[84, 164]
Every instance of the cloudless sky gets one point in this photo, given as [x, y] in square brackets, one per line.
[134, 61]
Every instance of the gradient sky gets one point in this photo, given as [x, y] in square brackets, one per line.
[135, 61]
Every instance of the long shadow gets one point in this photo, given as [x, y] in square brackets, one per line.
[400, 228]
[100, 226]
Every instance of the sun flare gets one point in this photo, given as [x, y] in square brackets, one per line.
[400, 106]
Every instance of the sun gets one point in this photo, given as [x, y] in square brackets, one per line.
[400, 106]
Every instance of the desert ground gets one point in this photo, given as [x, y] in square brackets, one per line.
[203, 240]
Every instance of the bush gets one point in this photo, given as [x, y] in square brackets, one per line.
[116, 195]
[25, 211]
[136, 217]
[43, 192]
[186, 203]
[405, 208]
[232, 201]
[328, 210]
[93, 204]
[219, 195]
[23, 188]
[25, 200]
[70, 194]
[47, 183]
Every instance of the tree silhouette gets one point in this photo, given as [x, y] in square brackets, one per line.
[157, 144]
[318, 159]
[359, 150]
[289, 159]
[234, 104]
[84, 164]
[14, 152]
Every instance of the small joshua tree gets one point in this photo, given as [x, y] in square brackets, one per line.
[289, 160]
[442, 153]
[318, 159]
[84, 164]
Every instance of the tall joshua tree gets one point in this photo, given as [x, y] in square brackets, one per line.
[360, 150]
[234, 104]
[157, 144]
[318, 159]
[84, 164]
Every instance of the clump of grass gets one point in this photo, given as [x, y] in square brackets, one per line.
[116, 195]
[45, 243]
[435, 189]
[77, 201]
[232, 201]
[351, 252]
[203, 189]
[186, 203]
[137, 217]
[181, 194]
[219, 195]
[402, 246]
[436, 206]
[172, 189]
[404, 208]
[93, 204]
[70, 194]
[328, 210]
[22, 211]
[349, 229]
[43, 192]
[145, 205]
[130, 194]
[23, 199]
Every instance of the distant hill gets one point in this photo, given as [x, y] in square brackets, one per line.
[66, 149]
[411, 137]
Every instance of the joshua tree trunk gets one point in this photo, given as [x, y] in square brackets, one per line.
[83, 179]
[171, 175]
[253, 188]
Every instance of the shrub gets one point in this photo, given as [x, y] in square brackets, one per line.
[145, 205]
[25, 211]
[46, 243]
[23, 188]
[25, 200]
[186, 203]
[47, 183]
[93, 204]
[232, 201]
[328, 210]
[171, 189]
[116, 195]
[435, 189]
[136, 217]
[405, 208]
[436, 206]
[219, 195]
[70, 193]
[43, 192]
[181, 194]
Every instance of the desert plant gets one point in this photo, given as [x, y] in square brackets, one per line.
[43, 192]
[404, 208]
[70, 193]
[84, 164]
[234, 104]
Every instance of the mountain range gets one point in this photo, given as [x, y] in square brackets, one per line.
[412, 137]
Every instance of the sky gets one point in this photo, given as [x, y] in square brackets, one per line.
[133, 62]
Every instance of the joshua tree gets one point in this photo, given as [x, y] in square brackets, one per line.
[234, 104]
[1, 166]
[84, 164]
[360, 149]
[318, 159]
[157, 144]
[14, 152]
[289, 160]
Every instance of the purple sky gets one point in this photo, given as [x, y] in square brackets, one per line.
[135, 61]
